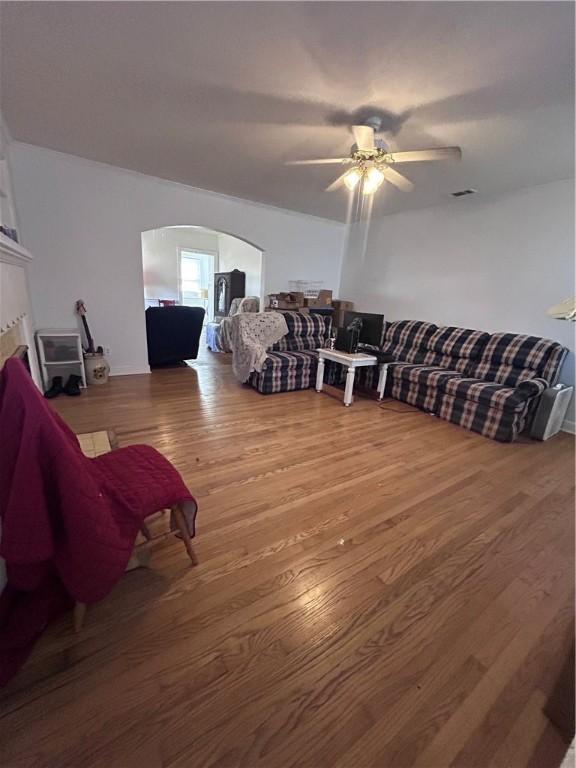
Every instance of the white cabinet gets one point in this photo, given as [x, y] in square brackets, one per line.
[7, 211]
[60, 354]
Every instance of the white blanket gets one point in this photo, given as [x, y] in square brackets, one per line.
[252, 334]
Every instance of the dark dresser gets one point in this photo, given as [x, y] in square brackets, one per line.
[228, 286]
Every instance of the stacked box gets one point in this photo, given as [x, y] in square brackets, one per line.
[338, 318]
[324, 299]
[283, 300]
[303, 310]
[341, 304]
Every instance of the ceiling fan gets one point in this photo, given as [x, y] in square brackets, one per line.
[371, 163]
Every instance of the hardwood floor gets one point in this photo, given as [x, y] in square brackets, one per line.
[376, 588]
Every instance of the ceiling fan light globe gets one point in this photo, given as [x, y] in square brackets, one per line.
[375, 177]
[352, 178]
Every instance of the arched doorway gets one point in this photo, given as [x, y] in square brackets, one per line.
[179, 263]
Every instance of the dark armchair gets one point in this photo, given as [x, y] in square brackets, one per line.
[173, 333]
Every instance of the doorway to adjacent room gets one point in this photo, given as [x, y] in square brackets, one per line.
[179, 264]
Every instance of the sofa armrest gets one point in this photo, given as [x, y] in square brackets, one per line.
[532, 387]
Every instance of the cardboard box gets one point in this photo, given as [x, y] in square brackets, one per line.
[298, 297]
[324, 299]
[338, 318]
[303, 310]
[341, 304]
[284, 300]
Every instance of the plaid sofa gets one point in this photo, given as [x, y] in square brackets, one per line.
[292, 362]
[487, 383]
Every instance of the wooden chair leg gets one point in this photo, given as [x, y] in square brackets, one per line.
[180, 519]
[145, 531]
[79, 614]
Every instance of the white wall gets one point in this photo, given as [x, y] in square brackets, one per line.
[236, 254]
[161, 254]
[83, 221]
[493, 264]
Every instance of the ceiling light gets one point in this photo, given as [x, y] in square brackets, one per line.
[352, 178]
[372, 181]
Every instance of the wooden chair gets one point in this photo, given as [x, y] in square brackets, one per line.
[95, 444]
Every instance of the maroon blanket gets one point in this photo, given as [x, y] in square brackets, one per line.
[68, 522]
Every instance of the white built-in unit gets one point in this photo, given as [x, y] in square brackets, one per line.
[16, 336]
[7, 207]
[60, 354]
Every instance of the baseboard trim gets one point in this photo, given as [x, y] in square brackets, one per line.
[569, 426]
[129, 370]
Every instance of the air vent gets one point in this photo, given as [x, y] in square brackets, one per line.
[464, 192]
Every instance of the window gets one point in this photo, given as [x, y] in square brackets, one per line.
[191, 275]
[196, 275]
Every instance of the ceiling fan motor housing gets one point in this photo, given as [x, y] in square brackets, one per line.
[375, 122]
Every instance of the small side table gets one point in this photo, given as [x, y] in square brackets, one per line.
[351, 361]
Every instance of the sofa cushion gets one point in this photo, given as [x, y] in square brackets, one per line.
[406, 340]
[492, 394]
[286, 371]
[453, 348]
[509, 358]
[422, 374]
[498, 424]
[290, 360]
[304, 332]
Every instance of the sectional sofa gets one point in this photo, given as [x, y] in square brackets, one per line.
[488, 383]
[291, 363]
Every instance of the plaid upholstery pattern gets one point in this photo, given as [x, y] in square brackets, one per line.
[532, 387]
[366, 378]
[489, 384]
[406, 340]
[422, 374]
[509, 358]
[292, 362]
[286, 372]
[413, 392]
[503, 425]
[495, 395]
[552, 366]
[476, 415]
[450, 347]
[304, 332]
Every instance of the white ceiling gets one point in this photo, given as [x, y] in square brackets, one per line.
[218, 95]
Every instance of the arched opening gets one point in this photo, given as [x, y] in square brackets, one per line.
[180, 261]
[204, 270]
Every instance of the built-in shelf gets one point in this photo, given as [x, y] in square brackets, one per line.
[12, 248]
[73, 343]
[62, 362]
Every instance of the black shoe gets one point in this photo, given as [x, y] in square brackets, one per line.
[73, 385]
[55, 389]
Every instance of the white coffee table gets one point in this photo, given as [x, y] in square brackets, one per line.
[351, 361]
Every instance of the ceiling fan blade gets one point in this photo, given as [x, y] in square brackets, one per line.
[337, 183]
[397, 179]
[363, 136]
[323, 161]
[421, 155]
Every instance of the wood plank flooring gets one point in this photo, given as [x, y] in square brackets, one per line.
[376, 588]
